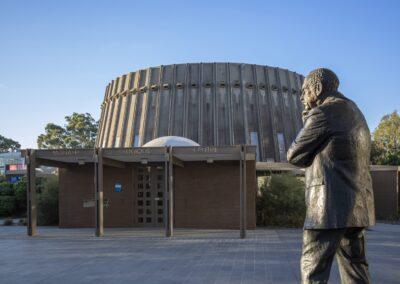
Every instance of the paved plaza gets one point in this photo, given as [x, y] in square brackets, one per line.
[191, 256]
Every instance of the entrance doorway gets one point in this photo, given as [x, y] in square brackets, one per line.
[150, 195]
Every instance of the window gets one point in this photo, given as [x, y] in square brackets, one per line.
[136, 142]
[116, 144]
[254, 141]
[281, 146]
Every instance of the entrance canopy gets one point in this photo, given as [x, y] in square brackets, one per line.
[120, 157]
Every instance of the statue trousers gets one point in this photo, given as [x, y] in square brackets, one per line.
[319, 248]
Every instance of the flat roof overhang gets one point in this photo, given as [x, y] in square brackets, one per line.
[67, 157]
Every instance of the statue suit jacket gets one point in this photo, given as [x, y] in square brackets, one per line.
[334, 146]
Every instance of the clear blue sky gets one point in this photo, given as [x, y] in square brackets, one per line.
[56, 57]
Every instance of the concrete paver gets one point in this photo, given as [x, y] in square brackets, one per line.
[191, 256]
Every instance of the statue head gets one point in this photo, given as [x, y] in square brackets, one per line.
[318, 83]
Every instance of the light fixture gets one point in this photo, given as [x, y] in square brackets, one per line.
[144, 161]
[81, 161]
[210, 160]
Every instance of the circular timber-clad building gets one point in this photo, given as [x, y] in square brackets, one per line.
[209, 103]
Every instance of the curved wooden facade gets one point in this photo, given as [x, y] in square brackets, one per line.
[210, 103]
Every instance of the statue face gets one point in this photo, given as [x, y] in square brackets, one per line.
[310, 93]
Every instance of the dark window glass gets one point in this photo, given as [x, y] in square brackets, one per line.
[140, 202]
[158, 186]
[159, 177]
[160, 211]
[140, 211]
[147, 185]
[159, 194]
[148, 220]
[147, 177]
[147, 202]
[148, 194]
[160, 219]
[140, 177]
[140, 185]
[148, 211]
[140, 220]
[140, 194]
[159, 202]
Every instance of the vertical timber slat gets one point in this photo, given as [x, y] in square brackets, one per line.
[170, 231]
[99, 210]
[31, 194]
[243, 191]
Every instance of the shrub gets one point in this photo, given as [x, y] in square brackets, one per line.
[20, 197]
[7, 205]
[281, 201]
[48, 201]
[8, 222]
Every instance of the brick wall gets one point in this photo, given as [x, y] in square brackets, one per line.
[206, 196]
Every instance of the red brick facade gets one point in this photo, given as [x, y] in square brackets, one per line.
[205, 196]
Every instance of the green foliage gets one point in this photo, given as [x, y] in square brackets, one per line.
[53, 138]
[22, 222]
[48, 201]
[20, 196]
[281, 201]
[7, 205]
[7, 145]
[5, 188]
[12, 198]
[8, 222]
[386, 141]
[79, 132]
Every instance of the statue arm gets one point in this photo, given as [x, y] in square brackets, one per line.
[310, 139]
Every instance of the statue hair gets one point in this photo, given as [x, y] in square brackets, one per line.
[326, 77]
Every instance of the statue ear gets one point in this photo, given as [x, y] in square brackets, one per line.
[318, 88]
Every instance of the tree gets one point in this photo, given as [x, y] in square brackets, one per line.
[79, 132]
[53, 138]
[7, 145]
[82, 130]
[386, 141]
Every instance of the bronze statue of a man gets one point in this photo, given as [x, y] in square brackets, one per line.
[334, 147]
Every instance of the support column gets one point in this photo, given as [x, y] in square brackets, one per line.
[170, 225]
[31, 193]
[243, 206]
[99, 209]
[165, 198]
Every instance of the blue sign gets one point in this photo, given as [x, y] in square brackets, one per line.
[118, 187]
